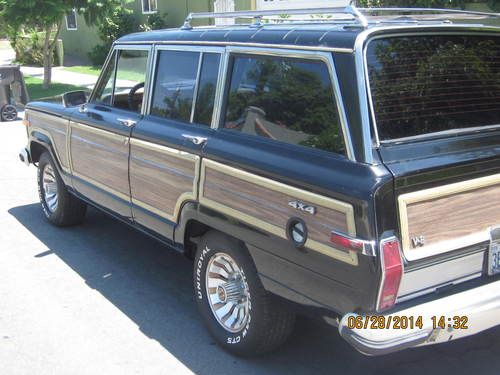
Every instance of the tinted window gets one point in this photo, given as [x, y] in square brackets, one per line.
[284, 99]
[206, 89]
[427, 84]
[175, 84]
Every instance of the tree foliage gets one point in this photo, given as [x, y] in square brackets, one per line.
[46, 16]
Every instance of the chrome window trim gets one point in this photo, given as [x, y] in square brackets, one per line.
[326, 58]
[157, 48]
[223, 44]
[366, 101]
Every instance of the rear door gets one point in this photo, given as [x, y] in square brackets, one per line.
[100, 130]
[166, 147]
[435, 106]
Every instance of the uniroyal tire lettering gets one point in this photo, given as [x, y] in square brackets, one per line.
[199, 266]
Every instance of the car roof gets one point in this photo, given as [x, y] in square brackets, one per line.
[335, 35]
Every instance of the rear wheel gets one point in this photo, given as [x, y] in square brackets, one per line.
[242, 316]
[59, 206]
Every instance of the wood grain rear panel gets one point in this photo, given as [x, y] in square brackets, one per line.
[264, 203]
[161, 178]
[102, 157]
[450, 217]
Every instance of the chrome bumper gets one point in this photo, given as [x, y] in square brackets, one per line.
[480, 305]
[25, 156]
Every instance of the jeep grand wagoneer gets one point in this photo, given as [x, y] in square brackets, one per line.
[345, 166]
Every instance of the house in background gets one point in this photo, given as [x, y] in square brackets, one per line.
[79, 39]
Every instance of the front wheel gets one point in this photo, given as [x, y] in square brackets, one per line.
[59, 206]
[241, 315]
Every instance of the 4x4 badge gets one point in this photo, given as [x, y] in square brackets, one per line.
[301, 206]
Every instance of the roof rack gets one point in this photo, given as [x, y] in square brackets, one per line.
[258, 15]
[357, 16]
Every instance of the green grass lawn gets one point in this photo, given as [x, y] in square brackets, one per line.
[91, 70]
[36, 90]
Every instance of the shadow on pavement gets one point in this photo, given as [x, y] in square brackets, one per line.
[152, 286]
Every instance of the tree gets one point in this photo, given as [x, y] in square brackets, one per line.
[47, 16]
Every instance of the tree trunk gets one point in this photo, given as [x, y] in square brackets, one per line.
[48, 53]
[47, 59]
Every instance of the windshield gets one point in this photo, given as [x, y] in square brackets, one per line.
[434, 83]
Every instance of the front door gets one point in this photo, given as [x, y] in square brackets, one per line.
[100, 130]
[166, 147]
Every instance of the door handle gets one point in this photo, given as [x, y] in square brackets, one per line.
[126, 122]
[83, 108]
[195, 139]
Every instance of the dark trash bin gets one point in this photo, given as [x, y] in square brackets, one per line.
[13, 92]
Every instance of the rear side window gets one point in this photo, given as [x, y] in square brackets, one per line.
[284, 99]
[427, 84]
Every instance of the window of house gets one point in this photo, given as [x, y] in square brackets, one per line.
[149, 6]
[125, 88]
[175, 84]
[284, 99]
[71, 23]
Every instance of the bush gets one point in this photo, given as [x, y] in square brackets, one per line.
[29, 49]
[119, 23]
[155, 22]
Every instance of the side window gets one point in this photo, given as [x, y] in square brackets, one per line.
[130, 79]
[104, 90]
[285, 99]
[125, 88]
[207, 86]
[175, 84]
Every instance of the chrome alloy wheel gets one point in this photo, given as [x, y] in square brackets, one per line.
[49, 181]
[227, 292]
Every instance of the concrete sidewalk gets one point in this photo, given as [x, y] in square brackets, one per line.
[59, 75]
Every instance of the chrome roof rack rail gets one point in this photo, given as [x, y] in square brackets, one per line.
[428, 10]
[258, 15]
[357, 15]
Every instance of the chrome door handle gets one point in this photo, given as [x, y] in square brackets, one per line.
[196, 140]
[126, 122]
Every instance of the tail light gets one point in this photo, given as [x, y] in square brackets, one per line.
[26, 122]
[392, 271]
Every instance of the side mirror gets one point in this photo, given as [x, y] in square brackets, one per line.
[74, 98]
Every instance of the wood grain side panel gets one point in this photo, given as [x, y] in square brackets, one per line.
[270, 205]
[100, 158]
[454, 216]
[56, 129]
[159, 179]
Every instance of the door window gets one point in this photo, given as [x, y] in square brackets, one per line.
[175, 84]
[284, 99]
[124, 88]
[104, 90]
[183, 90]
[206, 89]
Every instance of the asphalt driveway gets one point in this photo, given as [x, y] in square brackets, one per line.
[102, 298]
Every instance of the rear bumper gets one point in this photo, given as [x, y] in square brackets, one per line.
[480, 305]
[25, 156]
